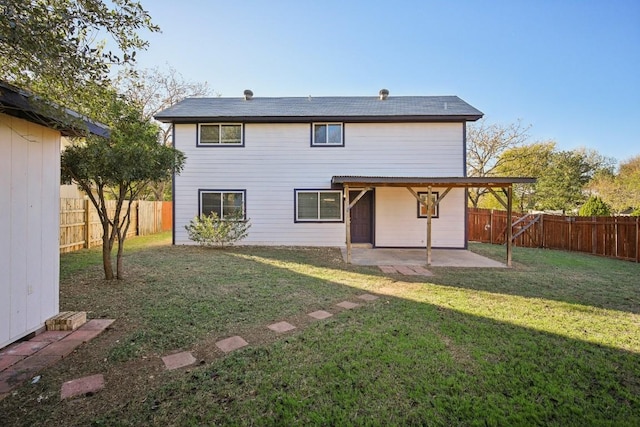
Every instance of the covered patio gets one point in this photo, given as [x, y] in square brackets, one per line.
[500, 187]
[441, 257]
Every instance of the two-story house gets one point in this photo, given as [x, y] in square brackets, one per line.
[296, 165]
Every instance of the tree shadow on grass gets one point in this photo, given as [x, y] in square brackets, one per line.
[407, 358]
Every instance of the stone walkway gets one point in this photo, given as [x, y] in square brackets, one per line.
[21, 361]
[227, 345]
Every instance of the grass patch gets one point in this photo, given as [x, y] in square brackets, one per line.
[553, 341]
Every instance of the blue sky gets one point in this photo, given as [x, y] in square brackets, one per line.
[570, 69]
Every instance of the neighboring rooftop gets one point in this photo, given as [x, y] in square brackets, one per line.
[20, 103]
[384, 108]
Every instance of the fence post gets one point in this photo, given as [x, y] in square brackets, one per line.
[87, 224]
[594, 235]
[615, 228]
[491, 226]
[637, 239]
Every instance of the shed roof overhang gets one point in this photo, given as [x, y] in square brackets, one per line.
[449, 182]
[20, 103]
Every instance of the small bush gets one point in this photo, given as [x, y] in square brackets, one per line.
[595, 206]
[213, 231]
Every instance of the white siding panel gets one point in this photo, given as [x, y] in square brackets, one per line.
[50, 276]
[19, 225]
[278, 158]
[398, 225]
[29, 254]
[5, 229]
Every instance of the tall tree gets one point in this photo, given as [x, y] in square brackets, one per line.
[56, 47]
[531, 160]
[120, 167]
[562, 185]
[485, 145]
[153, 90]
[622, 190]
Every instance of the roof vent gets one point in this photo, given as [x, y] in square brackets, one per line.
[248, 95]
[384, 94]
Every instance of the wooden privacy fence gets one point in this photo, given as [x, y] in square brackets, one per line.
[80, 225]
[615, 237]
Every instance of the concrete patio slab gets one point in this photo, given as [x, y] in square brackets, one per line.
[178, 360]
[320, 314]
[368, 297]
[281, 327]
[439, 257]
[388, 269]
[82, 386]
[347, 305]
[232, 343]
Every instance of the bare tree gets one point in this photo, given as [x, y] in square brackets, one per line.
[485, 145]
[155, 89]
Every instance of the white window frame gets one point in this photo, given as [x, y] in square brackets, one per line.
[327, 144]
[338, 193]
[220, 142]
[201, 193]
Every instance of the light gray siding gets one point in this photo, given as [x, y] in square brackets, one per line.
[29, 226]
[277, 159]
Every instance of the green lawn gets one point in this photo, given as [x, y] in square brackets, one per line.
[553, 341]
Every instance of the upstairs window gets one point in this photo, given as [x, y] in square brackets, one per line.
[220, 134]
[222, 203]
[327, 134]
[318, 206]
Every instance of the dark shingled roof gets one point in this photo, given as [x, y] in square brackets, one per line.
[25, 105]
[334, 108]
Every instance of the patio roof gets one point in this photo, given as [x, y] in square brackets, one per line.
[367, 183]
[415, 181]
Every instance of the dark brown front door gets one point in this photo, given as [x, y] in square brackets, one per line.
[362, 218]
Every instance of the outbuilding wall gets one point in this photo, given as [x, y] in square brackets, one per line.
[29, 226]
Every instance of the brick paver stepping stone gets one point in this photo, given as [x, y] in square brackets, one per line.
[281, 327]
[320, 314]
[26, 348]
[347, 304]
[368, 297]
[405, 269]
[178, 360]
[421, 270]
[388, 269]
[82, 386]
[231, 343]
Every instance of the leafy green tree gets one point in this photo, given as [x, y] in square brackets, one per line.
[531, 160]
[153, 90]
[621, 190]
[56, 48]
[561, 187]
[119, 168]
[594, 206]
